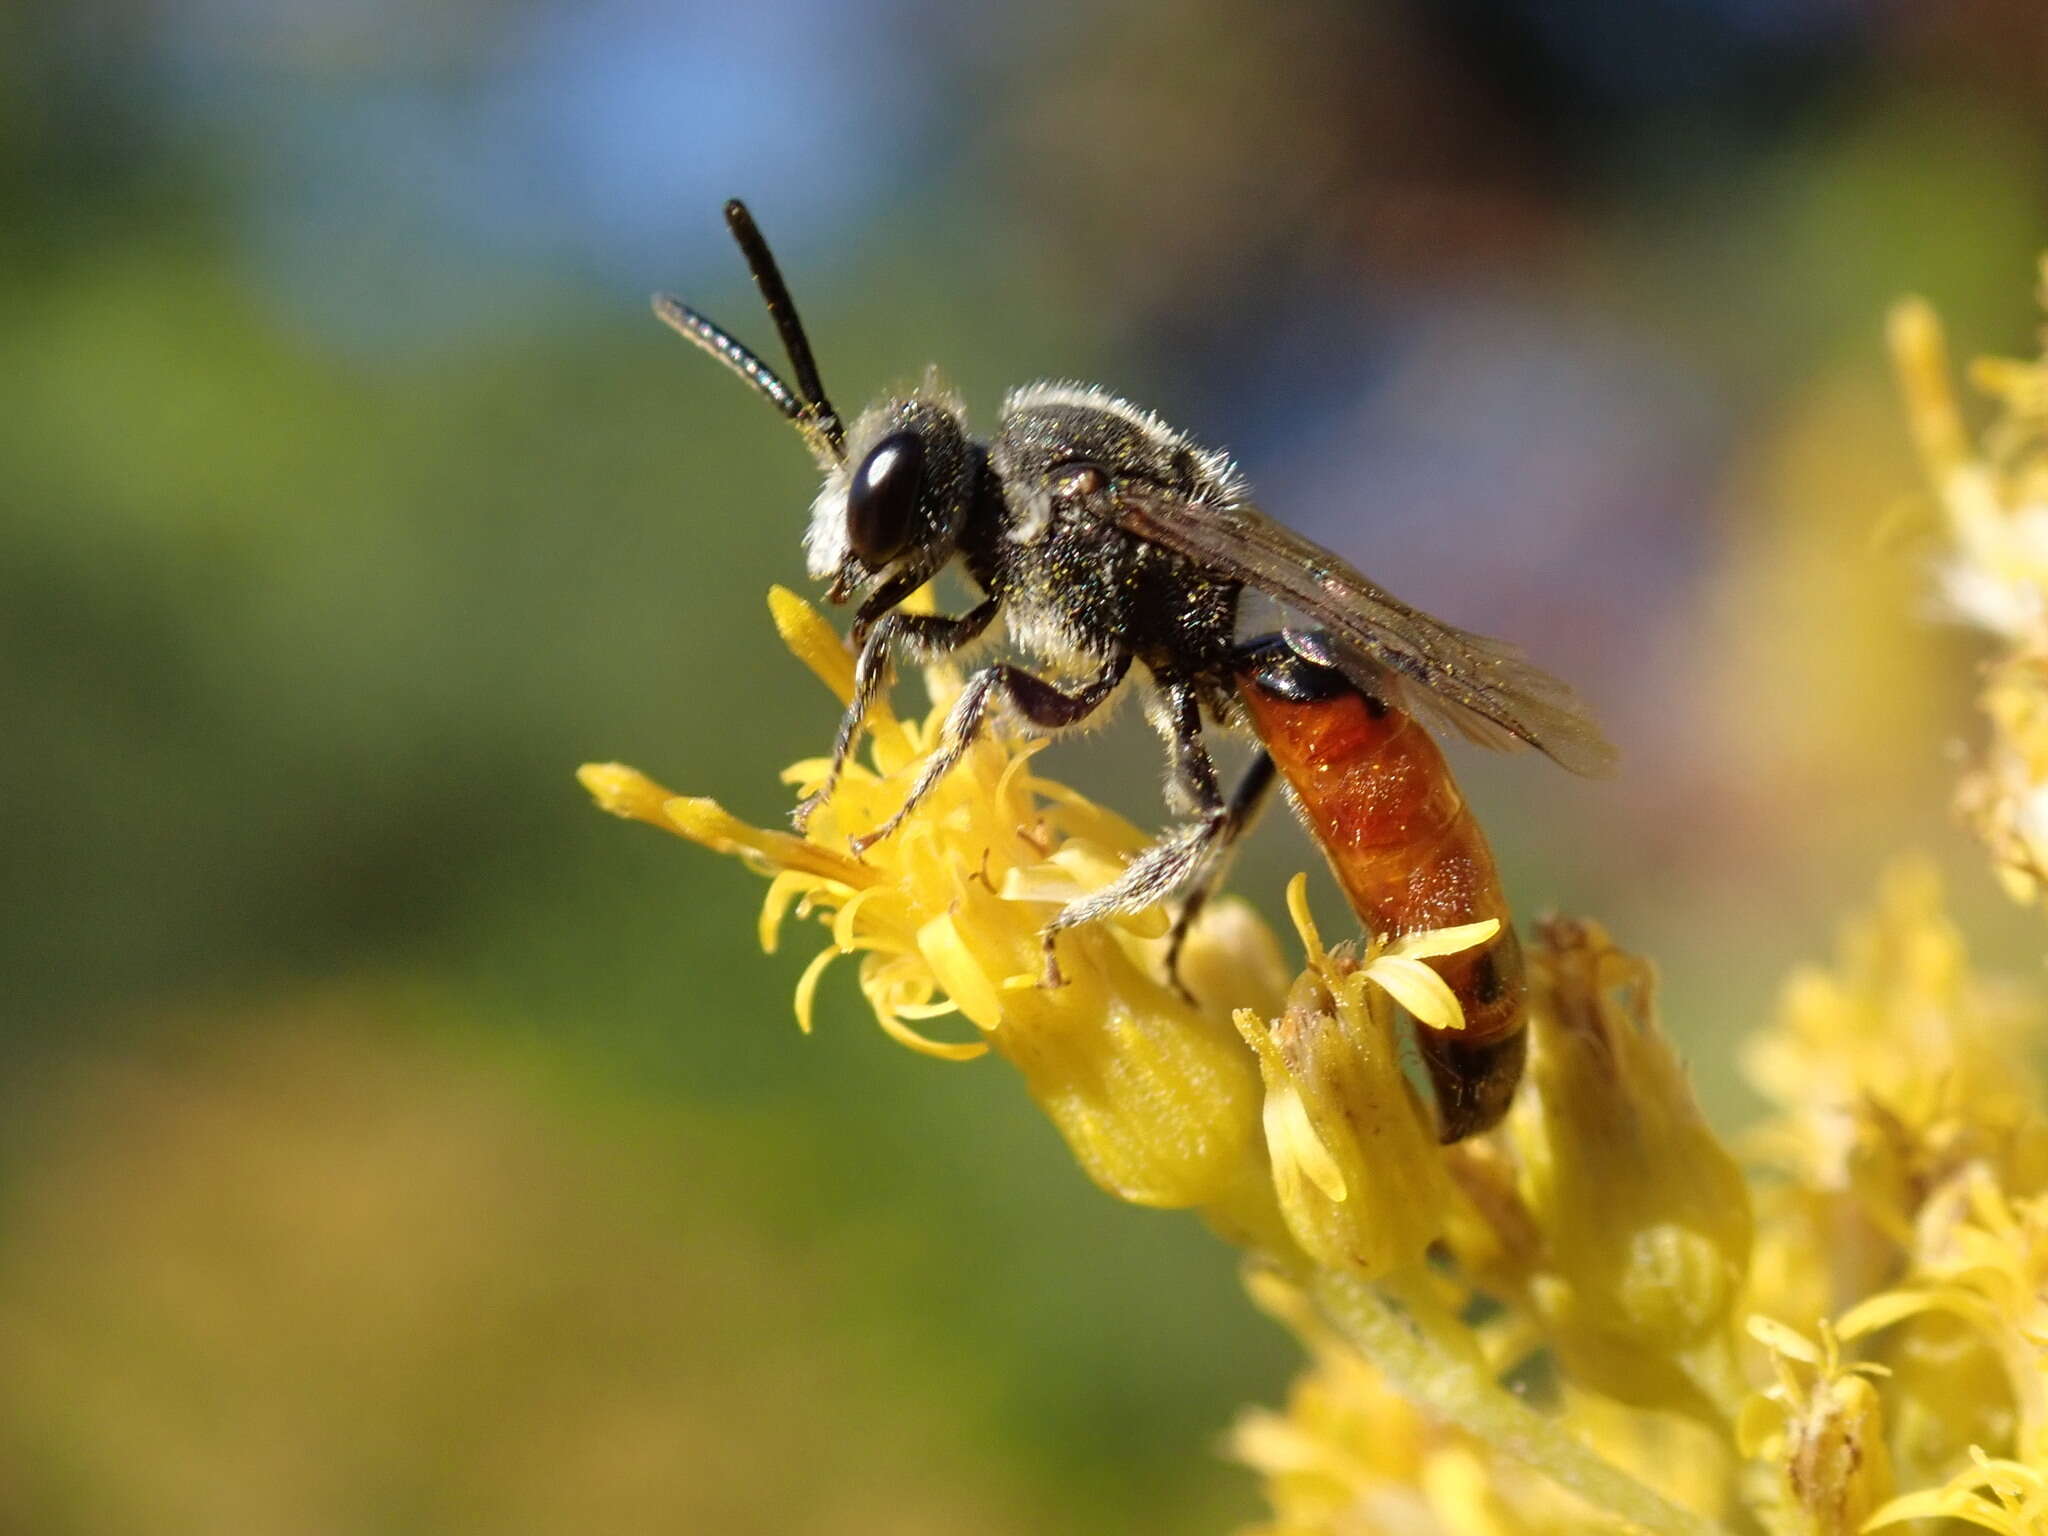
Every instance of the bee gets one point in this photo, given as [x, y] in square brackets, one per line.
[1106, 541]
[1376, 795]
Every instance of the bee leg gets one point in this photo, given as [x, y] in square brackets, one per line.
[1177, 857]
[919, 634]
[1193, 785]
[1150, 878]
[1246, 801]
[1038, 702]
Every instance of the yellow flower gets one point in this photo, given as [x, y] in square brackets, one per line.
[1354, 1151]
[1160, 1098]
[1994, 576]
[1898, 1053]
[1999, 1494]
[1157, 1096]
[1890, 1072]
[1829, 1437]
[1980, 1261]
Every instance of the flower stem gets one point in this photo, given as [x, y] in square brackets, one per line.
[1432, 1363]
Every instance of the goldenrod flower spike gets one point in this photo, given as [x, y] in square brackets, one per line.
[1602, 1244]
[1300, 1138]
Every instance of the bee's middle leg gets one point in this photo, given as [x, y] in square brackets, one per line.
[1178, 857]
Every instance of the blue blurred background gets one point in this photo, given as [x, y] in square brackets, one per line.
[389, 1143]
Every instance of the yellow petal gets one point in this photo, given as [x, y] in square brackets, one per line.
[1041, 882]
[1020, 761]
[808, 770]
[891, 1020]
[807, 986]
[783, 891]
[1092, 865]
[957, 970]
[1926, 1504]
[1779, 1339]
[707, 822]
[927, 1010]
[1429, 942]
[1081, 818]
[924, 1045]
[1418, 989]
[1888, 1307]
[1304, 921]
[1297, 1151]
[625, 792]
[845, 930]
[812, 641]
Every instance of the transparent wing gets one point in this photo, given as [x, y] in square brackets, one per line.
[1483, 688]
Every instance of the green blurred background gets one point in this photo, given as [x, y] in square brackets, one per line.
[388, 1142]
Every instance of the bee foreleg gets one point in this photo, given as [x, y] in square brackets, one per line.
[1035, 700]
[919, 634]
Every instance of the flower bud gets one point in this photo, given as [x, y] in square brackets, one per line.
[1154, 1096]
[1834, 1467]
[1354, 1154]
[1645, 1214]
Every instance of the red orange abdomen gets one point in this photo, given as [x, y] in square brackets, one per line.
[1374, 789]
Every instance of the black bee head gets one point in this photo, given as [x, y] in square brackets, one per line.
[897, 503]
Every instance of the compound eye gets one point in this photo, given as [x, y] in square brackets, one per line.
[882, 501]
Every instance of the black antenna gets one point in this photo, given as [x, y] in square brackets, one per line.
[782, 310]
[704, 333]
[805, 407]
